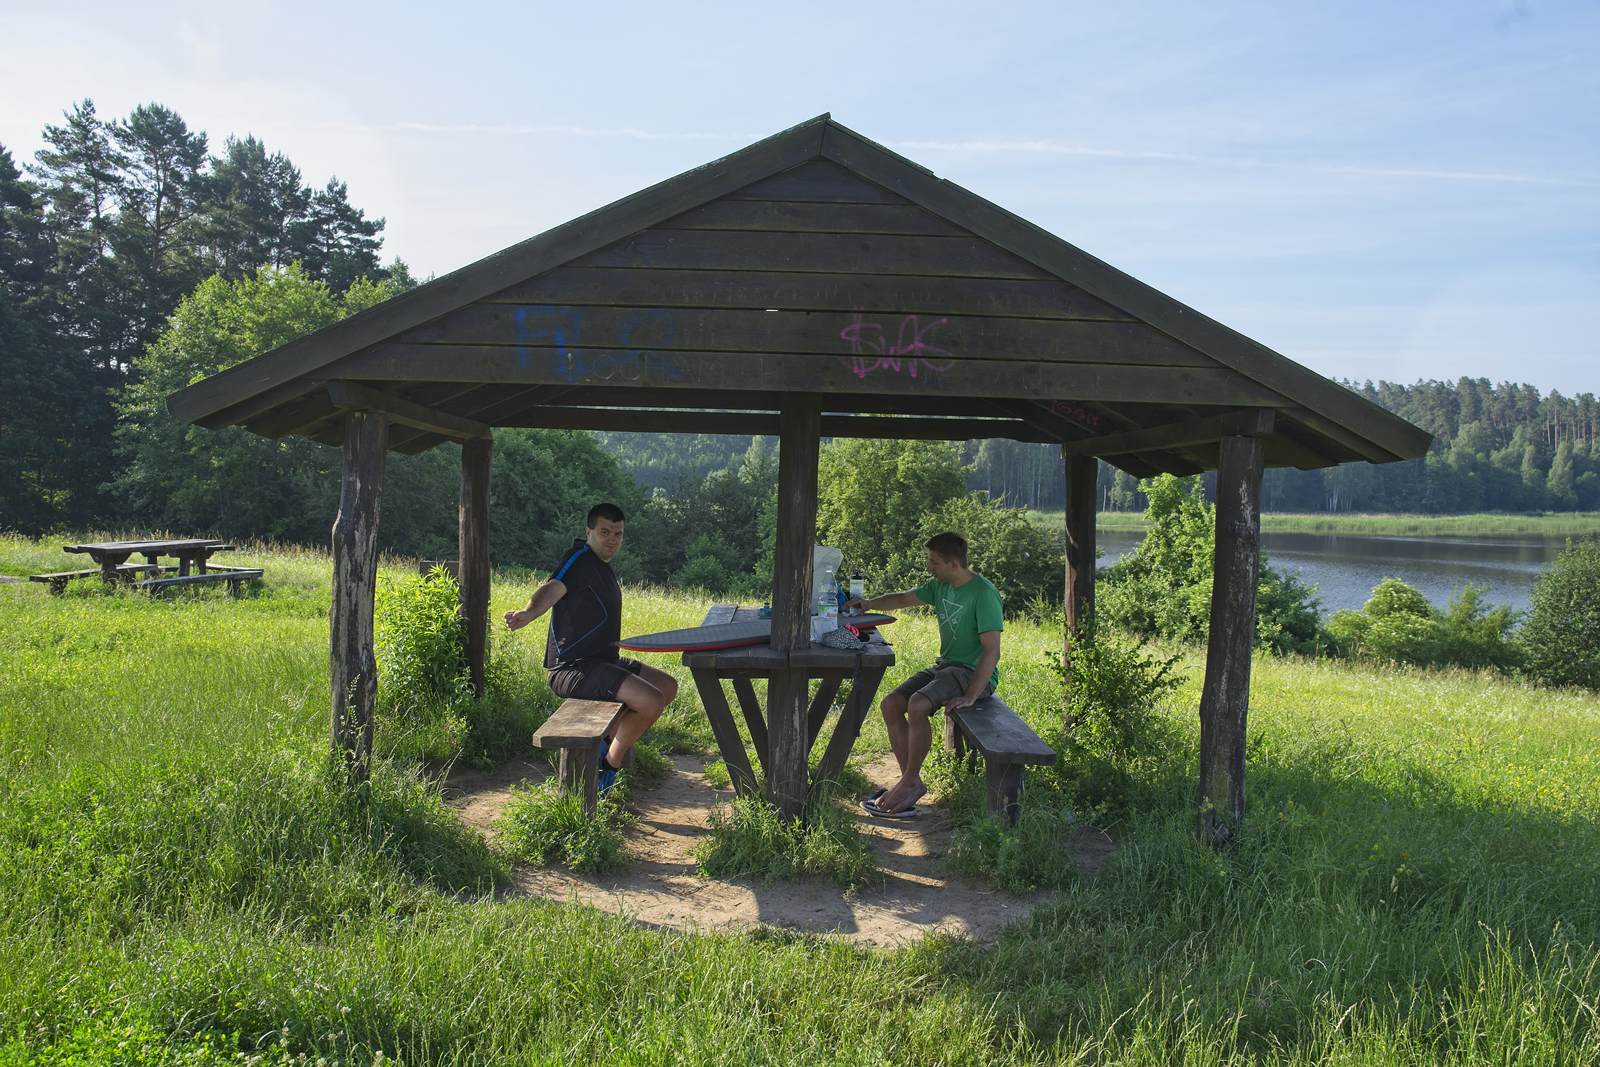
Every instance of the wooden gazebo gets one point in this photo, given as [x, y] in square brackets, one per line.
[813, 284]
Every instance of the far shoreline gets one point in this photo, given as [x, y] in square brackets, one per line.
[1481, 524]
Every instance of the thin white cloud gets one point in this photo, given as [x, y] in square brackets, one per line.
[1061, 148]
[990, 147]
[623, 132]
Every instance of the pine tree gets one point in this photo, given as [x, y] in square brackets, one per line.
[79, 173]
[255, 212]
[342, 243]
[157, 255]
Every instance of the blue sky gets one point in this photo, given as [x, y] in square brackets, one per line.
[1377, 190]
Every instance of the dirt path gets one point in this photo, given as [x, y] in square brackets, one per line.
[659, 886]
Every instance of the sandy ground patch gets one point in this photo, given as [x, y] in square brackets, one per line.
[659, 886]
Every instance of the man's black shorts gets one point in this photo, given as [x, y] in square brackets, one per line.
[592, 679]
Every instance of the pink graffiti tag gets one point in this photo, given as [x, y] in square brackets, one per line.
[911, 354]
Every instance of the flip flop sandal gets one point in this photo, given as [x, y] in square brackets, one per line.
[875, 794]
[903, 813]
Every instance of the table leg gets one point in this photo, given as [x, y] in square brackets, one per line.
[787, 754]
[183, 566]
[863, 695]
[109, 565]
[715, 701]
[745, 690]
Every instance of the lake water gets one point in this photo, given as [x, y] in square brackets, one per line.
[1344, 568]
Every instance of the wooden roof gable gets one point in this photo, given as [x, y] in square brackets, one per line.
[813, 261]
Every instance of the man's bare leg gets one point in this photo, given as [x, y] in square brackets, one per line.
[918, 740]
[893, 707]
[643, 697]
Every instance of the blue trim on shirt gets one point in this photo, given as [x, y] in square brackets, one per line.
[568, 564]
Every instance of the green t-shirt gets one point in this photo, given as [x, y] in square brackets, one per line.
[964, 611]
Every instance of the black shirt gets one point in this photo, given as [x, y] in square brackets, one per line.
[586, 623]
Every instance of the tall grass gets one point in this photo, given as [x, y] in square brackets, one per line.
[1415, 885]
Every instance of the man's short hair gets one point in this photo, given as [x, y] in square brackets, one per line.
[608, 511]
[949, 545]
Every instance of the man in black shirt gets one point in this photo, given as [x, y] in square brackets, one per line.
[585, 625]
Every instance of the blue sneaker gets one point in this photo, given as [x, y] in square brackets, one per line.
[606, 779]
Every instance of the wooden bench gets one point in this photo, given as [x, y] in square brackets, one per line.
[58, 581]
[576, 729]
[1007, 744]
[233, 576]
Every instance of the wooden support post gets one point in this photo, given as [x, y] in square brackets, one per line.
[578, 770]
[352, 665]
[1081, 472]
[1225, 699]
[800, 426]
[473, 554]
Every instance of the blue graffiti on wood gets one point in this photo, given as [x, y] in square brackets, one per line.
[911, 353]
[555, 334]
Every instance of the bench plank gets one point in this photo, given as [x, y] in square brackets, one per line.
[1001, 735]
[233, 577]
[576, 722]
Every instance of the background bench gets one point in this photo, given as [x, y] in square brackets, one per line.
[1007, 744]
[233, 576]
[576, 729]
[58, 581]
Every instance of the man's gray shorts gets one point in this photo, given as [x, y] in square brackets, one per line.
[941, 682]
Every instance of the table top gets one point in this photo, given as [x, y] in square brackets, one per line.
[758, 658]
[179, 544]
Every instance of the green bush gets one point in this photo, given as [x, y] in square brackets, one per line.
[1560, 640]
[423, 686]
[1163, 587]
[1113, 733]
[1398, 625]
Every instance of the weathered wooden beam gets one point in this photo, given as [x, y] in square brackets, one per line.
[1081, 500]
[1225, 698]
[472, 532]
[1252, 423]
[800, 426]
[352, 664]
[901, 338]
[827, 253]
[809, 291]
[958, 379]
[352, 396]
[894, 428]
[626, 419]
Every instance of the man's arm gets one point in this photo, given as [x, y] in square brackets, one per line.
[543, 599]
[906, 599]
[990, 640]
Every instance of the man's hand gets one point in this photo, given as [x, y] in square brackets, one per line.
[957, 703]
[855, 604]
[516, 620]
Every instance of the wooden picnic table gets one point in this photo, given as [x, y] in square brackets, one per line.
[193, 566]
[778, 740]
[190, 552]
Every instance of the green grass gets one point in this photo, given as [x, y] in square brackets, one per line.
[1547, 524]
[179, 876]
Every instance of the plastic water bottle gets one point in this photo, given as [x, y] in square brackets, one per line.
[858, 586]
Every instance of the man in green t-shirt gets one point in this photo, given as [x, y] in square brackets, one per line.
[967, 670]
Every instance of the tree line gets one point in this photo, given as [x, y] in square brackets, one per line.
[110, 226]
